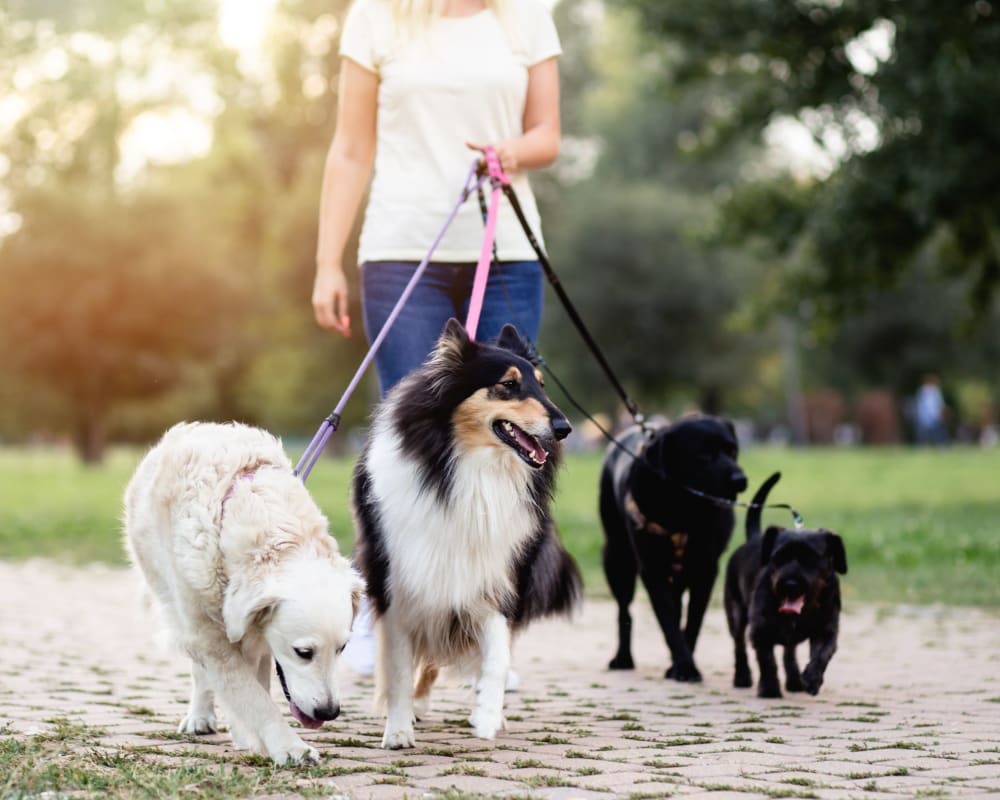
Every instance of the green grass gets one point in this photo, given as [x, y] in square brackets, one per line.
[920, 525]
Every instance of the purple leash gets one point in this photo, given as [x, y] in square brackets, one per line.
[330, 424]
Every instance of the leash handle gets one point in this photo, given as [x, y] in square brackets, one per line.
[312, 453]
[498, 178]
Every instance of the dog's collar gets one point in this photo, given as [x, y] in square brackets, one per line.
[245, 474]
[641, 522]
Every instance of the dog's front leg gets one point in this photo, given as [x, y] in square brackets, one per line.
[769, 685]
[255, 718]
[698, 597]
[396, 652]
[200, 718]
[487, 716]
[793, 678]
[665, 606]
[821, 650]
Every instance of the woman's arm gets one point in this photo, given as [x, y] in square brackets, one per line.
[538, 146]
[345, 176]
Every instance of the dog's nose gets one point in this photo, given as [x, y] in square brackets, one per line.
[738, 481]
[561, 428]
[327, 713]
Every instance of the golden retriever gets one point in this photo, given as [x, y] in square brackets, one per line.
[240, 561]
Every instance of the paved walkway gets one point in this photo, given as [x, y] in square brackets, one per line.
[911, 707]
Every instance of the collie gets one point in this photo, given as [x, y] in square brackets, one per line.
[454, 537]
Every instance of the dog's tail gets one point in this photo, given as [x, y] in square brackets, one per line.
[759, 499]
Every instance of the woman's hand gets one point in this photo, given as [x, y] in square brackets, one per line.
[505, 152]
[329, 300]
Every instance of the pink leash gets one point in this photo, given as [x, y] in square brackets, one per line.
[498, 179]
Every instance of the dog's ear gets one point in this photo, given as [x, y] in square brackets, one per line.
[454, 347]
[835, 549]
[510, 339]
[247, 602]
[767, 543]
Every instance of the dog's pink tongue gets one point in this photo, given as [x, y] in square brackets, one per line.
[530, 443]
[304, 718]
[793, 606]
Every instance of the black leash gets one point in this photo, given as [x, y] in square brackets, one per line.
[595, 350]
[574, 315]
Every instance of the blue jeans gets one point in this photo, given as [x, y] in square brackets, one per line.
[513, 294]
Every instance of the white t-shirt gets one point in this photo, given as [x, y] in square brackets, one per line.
[460, 80]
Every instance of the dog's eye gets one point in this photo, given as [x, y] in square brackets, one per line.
[305, 653]
[341, 648]
[509, 385]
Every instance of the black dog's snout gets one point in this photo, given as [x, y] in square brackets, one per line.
[561, 428]
[327, 713]
[738, 480]
[792, 587]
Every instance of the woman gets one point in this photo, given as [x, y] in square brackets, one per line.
[423, 83]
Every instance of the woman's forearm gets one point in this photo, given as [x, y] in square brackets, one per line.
[344, 182]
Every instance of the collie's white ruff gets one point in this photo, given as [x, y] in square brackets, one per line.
[447, 560]
[238, 557]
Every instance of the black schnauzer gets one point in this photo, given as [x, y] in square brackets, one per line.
[784, 585]
[658, 527]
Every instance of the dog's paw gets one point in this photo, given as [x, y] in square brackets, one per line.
[398, 739]
[487, 722]
[812, 679]
[743, 679]
[296, 752]
[769, 689]
[421, 707]
[198, 724]
[793, 683]
[685, 673]
[622, 661]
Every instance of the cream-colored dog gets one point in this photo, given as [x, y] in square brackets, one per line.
[239, 558]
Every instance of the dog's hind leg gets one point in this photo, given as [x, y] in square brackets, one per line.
[620, 570]
[395, 672]
[200, 717]
[487, 716]
[422, 692]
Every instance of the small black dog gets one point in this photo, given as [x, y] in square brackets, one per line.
[657, 527]
[784, 585]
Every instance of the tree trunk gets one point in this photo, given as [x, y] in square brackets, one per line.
[90, 438]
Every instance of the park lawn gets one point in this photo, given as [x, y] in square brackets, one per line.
[920, 526]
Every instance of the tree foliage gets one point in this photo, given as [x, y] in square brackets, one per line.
[905, 96]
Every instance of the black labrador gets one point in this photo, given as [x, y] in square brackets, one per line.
[657, 525]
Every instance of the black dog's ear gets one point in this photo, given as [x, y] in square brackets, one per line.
[767, 543]
[510, 339]
[454, 347]
[835, 549]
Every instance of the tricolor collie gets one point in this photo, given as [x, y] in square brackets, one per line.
[451, 501]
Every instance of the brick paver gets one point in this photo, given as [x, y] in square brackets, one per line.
[910, 708]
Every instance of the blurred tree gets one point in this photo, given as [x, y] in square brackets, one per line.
[630, 238]
[109, 292]
[901, 96]
[106, 303]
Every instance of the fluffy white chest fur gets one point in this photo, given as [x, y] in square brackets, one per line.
[464, 549]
